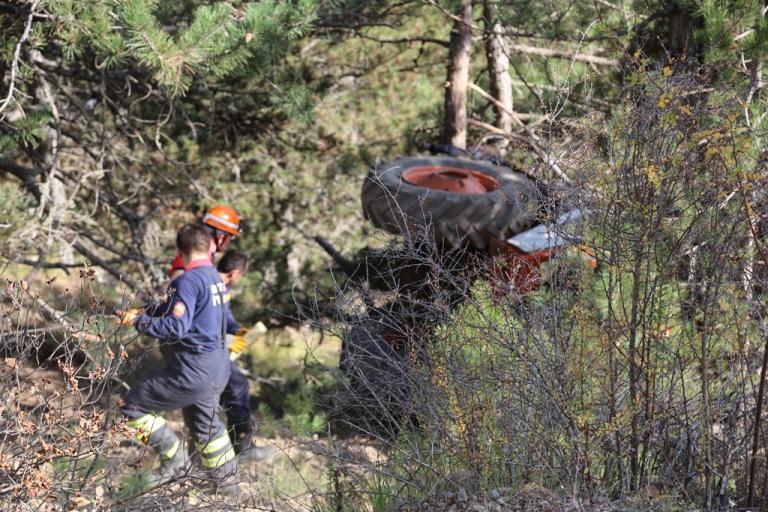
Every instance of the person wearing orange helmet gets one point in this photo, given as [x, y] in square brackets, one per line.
[223, 223]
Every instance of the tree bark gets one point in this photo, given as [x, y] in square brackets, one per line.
[55, 197]
[455, 122]
[680, 28]
[498, 68]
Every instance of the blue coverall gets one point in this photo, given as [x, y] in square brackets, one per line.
[236, 397]
[191, 327]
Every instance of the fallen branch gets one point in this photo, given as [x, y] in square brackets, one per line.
[64, 266]
[59, 318]
[347, 266]
[562, 54]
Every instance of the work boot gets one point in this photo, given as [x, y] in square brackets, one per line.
[175, 465]
[219, 464]
[226, 480]
[173, 459]
[257, 453]
[241, 435]
[219, 482]
[170, 468]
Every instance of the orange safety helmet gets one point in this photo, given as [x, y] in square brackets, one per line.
[224, 218]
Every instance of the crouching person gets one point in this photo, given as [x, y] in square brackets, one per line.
[236, 398]
[190, 325]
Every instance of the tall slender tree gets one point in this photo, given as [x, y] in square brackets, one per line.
[455, 123]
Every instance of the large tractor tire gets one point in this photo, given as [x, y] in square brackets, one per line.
[459, 200]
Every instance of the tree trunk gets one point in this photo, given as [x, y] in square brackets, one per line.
[680, 25]
[498, 68]
[55, 197]
[455, 123]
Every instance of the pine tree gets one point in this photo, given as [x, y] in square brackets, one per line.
[137, 86]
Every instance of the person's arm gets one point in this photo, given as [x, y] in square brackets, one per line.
[232, 326]
[160, 307]
[177, 320]
[155, 308]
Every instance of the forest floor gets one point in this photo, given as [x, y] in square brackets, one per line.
[282, 396]
[291, 375]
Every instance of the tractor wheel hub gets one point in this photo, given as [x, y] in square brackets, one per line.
[451, 179]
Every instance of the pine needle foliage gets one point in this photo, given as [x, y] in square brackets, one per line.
[729, 27]
[219, 40]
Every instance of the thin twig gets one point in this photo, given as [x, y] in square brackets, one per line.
[541, 153]
[16, 57]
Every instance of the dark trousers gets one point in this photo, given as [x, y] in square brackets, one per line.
[192, 382]
[236, 398]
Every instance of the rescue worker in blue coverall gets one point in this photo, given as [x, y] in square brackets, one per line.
[191, 325]
[223, 223]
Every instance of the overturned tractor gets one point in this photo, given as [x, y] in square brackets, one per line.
[459, 219]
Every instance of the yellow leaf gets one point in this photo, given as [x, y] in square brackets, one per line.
[79, 502]
[663, 101]
[652, 172]
[666, 71]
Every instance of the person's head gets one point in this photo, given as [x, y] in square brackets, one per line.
[193, 242]
[232, 266]
[223, 223]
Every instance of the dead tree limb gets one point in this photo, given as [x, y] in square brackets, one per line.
[562, 54]
[347, 266]
[541, 153]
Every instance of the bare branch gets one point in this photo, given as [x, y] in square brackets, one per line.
[17, 56]
[120, 276]
[541, 153]
[563, 54]
[452, 16]
[407, 40]
[25, 174]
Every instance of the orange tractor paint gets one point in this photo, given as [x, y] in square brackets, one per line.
[451, 179]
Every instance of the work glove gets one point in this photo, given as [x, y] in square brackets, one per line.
[129, 316]
[237, 346]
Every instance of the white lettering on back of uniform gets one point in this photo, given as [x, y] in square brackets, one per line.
[216, 294]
